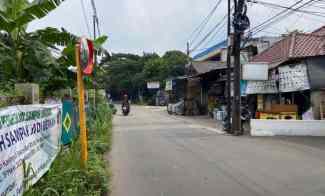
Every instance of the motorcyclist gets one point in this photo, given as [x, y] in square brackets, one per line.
[125, 104]
[125, 99]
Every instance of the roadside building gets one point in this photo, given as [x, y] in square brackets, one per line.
[206, 89]
[295, 85]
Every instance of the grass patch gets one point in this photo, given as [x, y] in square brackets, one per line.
[66, 178]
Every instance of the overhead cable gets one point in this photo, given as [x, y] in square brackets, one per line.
[278, 17]
[85, 17]
[288, 8]
[208, 34]
[197, 32]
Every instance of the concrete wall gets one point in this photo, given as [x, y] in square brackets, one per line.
[30, 91]
[287, 127]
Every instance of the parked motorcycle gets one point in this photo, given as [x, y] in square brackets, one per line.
[245, 117]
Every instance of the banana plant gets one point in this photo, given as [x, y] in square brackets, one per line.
[16, 14]
[25, 50]
[28, 56]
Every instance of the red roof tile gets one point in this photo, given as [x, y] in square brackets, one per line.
[320, 31]
[296, 45]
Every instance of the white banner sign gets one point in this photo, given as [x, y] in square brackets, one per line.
[255, 72]
[29, 142]
[153, 85]
[262, 87]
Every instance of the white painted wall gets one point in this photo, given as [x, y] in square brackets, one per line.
[287, 127]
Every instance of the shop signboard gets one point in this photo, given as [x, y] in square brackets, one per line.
[293, 78]
[153, 85]
[262, 87]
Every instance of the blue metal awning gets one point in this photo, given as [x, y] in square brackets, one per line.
[205, 53]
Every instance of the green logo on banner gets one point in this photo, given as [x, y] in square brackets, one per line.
[67, 122]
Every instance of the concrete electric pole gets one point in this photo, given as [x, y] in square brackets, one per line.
[240, 23]
[228, 95]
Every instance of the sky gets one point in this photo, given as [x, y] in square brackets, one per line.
[137, 26]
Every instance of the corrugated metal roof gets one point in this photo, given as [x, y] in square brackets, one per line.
[207, 66]
[206, 53]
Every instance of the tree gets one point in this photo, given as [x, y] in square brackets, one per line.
[129, 72]
[28, 57]
[176, 61]
[175, 57]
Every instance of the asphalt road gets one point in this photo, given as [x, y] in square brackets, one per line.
[155, 154]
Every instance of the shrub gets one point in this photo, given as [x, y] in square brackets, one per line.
[66, 178]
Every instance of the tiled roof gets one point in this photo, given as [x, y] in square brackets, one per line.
[320, 31]
[296, 45]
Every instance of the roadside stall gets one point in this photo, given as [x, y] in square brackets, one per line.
[285, 95]
[290, 100]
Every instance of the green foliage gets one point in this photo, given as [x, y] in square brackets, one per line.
[66, 178]
[16, 14]
[129, 72]
[155, 69]
[176, 62]
[54, 37]
[28, 56]
[99, 42]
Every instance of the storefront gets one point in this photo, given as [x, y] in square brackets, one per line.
[288, 94]
[285, 95]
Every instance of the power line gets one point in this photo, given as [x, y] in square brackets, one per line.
[275, 16]
[85, 17]
[288, 8]
[208, 34]
[96, 20]
[278, 17]
[201, 27]
[218, 31]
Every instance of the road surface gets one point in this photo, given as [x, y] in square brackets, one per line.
[155, 154]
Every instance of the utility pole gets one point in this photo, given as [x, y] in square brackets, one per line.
[228, 123]
[241, 23]
[188, 49]
[95, 21]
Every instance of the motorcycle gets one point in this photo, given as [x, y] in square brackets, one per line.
[125, 109]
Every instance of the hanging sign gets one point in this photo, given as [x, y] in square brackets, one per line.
[86, 55]
[293, 78]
